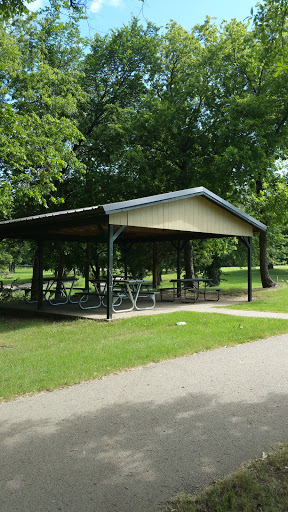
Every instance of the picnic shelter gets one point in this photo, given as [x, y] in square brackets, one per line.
[189, 214]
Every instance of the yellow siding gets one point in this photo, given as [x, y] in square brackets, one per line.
[195, 214]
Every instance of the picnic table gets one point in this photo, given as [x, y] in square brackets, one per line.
[56, 291]
[130, 289]
[191, 287]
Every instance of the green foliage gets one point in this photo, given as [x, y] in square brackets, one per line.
[213, 271]
[117, 74]
[40, 93]
[10, 8]
[214, 114]
[145, 112]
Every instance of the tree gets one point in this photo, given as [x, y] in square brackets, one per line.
[215, 112]
[257, 112]
[117, 74]
[12, 8]
[40, 92]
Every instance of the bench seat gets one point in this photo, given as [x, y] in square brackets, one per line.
[100, 296]
[204, 291]
[167, 294]
[208, 290]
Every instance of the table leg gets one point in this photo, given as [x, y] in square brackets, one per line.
[130, 295]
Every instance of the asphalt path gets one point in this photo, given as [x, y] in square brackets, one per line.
[129, 442]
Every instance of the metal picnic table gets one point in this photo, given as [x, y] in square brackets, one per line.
[122, 289]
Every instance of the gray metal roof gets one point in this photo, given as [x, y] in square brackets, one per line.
[52, 215]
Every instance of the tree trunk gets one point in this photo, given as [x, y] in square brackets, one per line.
[155, 272]
[267, 282]
[188, 261]
[12, 267]
[94, 263]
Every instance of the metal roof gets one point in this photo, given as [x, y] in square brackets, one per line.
[71, 224]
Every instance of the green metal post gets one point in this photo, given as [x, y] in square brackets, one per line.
[87, 266]
[249, 245]
[40, 274]
[110, 272]
[178, 268]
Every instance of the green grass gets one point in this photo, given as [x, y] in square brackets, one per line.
[22, 275]
[234, 282]
[268, 299]
[234, 279]
[272, 299]
[260, 486]
[38, 355]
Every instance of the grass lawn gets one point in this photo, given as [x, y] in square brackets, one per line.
[37, 354]
[234, 279]
[234, 282]
[22, 275]
[272, 299]
[260, 486]
[269, 299]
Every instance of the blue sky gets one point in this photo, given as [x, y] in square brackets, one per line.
[108, 14]
[104, 15]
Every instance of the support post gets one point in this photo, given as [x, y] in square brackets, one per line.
[110, 272]
[247, 241]
[178, 268]
[111, 239]
[40, 274]
[87, 266]
[249, 245]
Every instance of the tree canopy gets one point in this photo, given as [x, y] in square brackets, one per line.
[40, 94]
[142, 111]
[12, 8]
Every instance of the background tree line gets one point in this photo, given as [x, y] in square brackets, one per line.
[143, 111]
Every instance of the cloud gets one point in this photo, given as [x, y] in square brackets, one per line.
[34, 6]
[96, 5]
[115, 3]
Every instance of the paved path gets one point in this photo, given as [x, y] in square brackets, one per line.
[128, 442]
[210, 308]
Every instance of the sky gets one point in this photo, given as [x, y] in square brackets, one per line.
[104, 15]
[108, 14]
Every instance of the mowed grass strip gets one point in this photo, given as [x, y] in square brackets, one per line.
[37, 355]
[260, 486]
